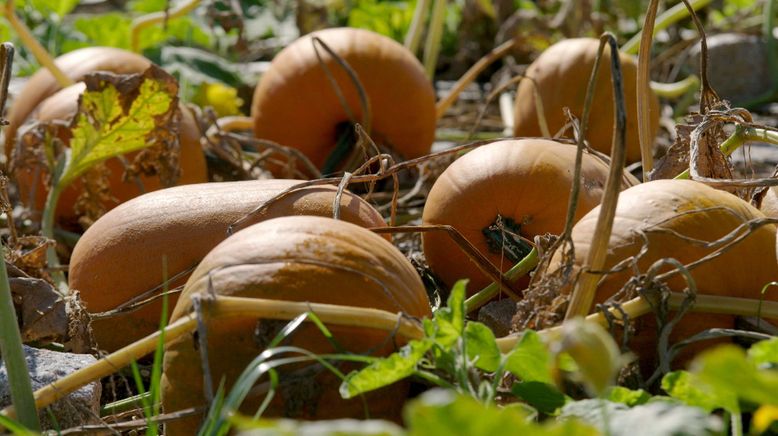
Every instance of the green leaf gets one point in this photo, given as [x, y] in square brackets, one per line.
[542, 396]
[119, 117]
[530, 360]
[764, 353]
[482, 347]
[620, 394]
[386, 371]
[110, 30]
[660, 418]
[15, 427]
[290, 427]
[48, 7]
[443, 412]
[450, 320]
[688, 388]
[726, 368]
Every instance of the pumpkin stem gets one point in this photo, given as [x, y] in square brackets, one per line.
[516, 272]
[503, 236]
[346, 140]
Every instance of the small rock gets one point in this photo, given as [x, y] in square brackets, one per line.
[498, 316]
[737, 66]
[45, 366]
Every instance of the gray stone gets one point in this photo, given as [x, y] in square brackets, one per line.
[45, 366]
[737, 66]
[498, 316]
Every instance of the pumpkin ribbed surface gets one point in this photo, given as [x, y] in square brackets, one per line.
[296, 105]
[561, 74]
[182, 224]
[296, 259]
[526, 180]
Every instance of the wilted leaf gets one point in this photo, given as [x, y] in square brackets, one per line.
[118, 115]
[482, 347]
[530, 360]
[594, 351]
[385, 371]
[43, 310]
[657, 418]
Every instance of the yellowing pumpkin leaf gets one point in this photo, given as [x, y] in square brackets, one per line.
[119, 115]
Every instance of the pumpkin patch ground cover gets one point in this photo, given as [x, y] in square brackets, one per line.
[391, 217]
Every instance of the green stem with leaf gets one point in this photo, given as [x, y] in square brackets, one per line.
[516, 272]
[741, 136]
[47, 230]
[669, 17]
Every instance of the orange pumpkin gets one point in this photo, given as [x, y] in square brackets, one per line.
[561, 74]
[526, 182]
[42, 99]
[181, 224]
[295, 259]
[668, 213]
[296, 105]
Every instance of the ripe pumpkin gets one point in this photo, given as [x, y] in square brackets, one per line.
[694, 210]
[182, 224]
[561, 74]
[527, 181]
[43, 100]
[296, 259]
[294, 103]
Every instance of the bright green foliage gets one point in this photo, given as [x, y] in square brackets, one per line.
[530, 360]
[389, 18]
[443, 412]
[629, 397]
[113, 30]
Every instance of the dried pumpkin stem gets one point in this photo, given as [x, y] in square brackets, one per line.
[583, 294]
[226, 307]
[148, 20]
[364, 101]
[516, 272]
[640, 306]
[471, 74]
[644, 92]
[32, 44]
[413, 37]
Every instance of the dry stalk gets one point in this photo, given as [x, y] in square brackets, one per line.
[583, 294]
